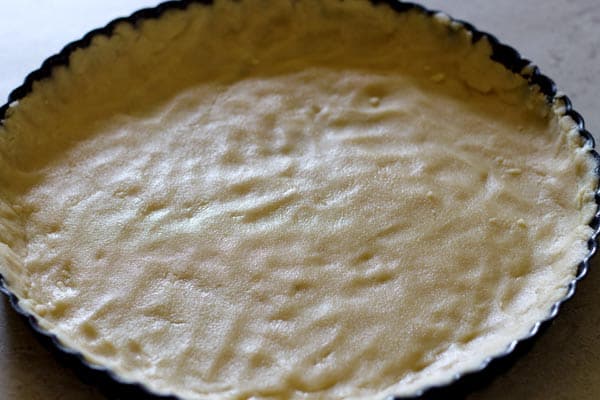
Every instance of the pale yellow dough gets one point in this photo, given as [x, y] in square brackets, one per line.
[290, 200]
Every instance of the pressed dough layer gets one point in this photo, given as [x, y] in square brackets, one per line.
[290, 200]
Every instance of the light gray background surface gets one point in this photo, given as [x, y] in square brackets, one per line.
[561, 36]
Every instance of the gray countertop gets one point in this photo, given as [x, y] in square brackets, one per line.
[561, 36]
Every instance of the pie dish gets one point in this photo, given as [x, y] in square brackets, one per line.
[376, 202]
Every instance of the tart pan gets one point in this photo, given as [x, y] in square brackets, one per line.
[458, 385]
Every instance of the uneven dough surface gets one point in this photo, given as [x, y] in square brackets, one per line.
[299, 200]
